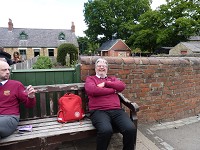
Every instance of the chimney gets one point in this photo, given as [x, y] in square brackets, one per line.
[10, 25]
[73, 27]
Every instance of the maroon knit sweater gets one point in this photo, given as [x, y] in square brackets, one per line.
[103, 98]
[11, 94]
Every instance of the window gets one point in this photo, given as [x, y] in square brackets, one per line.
[61, 36]
[22, 52]
[23, 36]
[36, 52]
[51, 52]
[122, 54]
[184, 52]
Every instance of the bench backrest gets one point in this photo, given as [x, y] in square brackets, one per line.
[47, 100]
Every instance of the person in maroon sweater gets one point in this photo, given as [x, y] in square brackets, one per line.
[12, 93]
[104, 106]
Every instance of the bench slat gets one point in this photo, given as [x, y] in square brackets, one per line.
[36, 121]
[52, 128]
[59, 87]
[46, 134]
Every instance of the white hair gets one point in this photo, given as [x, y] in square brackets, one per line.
[101, 60]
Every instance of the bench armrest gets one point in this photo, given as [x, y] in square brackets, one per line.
[134, 108]
[131, 105]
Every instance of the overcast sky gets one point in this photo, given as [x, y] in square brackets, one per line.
[47, 14]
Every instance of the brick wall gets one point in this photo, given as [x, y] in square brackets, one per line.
[166, 88]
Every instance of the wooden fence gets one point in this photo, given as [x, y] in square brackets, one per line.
[27, 64]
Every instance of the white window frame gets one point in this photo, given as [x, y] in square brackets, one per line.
[23, 57]
[36, 49]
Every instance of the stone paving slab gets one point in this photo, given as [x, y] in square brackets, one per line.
[181, 134]
[143, 143]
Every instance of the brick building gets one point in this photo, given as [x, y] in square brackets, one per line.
[116, 47]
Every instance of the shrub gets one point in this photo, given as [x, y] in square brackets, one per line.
[65, 49]
[43, 62]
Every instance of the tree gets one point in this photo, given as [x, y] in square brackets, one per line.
[144, 34]
[167, 26]
[181, 20]
[86, 46]
[83, 43]
[108, 19]
[141, 27]
[65, 49]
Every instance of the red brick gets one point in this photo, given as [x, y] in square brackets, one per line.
[128, 60]
[165, 88]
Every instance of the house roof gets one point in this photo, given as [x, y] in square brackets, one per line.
[194, 38]
[193, 46]
[36, 37]
[109, 44]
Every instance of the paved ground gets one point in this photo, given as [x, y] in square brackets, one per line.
[116, 143]
[143, 143]
[183, 134]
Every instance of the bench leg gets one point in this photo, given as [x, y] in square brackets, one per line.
[43, 144]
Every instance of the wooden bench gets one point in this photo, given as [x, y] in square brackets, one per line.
[47, 133]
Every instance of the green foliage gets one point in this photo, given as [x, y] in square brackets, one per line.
[144, 34]
[167, 26]
[62, 52]
[141, 27]
[180, 19]
[73, 64]
[43, 62]
[145, 39]
[106, 19]
[65, 49]
[86, 46]
[83, 43]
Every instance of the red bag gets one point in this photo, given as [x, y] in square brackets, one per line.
[70, 108]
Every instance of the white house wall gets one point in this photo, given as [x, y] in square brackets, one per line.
[178, 48]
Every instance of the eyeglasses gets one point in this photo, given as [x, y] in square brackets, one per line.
[102, 66]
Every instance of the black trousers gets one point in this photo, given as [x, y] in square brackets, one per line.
[105, 121]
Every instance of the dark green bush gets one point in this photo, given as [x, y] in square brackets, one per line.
[65, 49]
[43, 62]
